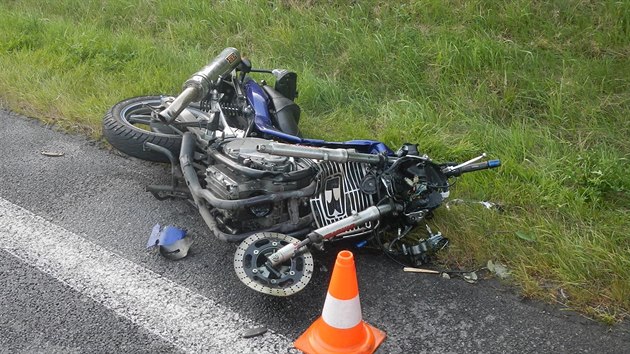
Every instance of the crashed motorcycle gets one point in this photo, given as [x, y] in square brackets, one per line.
[237, 154]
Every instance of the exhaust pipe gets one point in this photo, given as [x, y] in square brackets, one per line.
[197, 87]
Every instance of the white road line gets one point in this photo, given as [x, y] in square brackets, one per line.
[190, 321]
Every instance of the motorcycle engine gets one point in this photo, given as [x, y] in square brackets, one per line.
[241, 180]
[244, 151]
[243, 172]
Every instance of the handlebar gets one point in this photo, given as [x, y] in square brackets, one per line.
[455, 172]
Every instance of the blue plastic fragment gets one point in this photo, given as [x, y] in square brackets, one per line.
[155, 236]
[170, 235]
[494, 163]
[172, 241]
[167, 236]
[361, 244]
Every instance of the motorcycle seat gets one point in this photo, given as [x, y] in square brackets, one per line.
[286, 113]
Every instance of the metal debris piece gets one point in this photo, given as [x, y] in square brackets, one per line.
[254, 331]
[420, 270]
[52, 153]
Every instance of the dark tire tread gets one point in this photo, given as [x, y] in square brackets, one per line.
[130, 139]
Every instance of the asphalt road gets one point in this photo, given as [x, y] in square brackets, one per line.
[91, 208]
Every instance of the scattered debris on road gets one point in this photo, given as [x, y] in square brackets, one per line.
[470, 277]
[52, 153]
[494, 267]
[255, 331]
[420, 270]
[172, 241]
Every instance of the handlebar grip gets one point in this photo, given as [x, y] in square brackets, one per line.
[480, 166]
[474, 167]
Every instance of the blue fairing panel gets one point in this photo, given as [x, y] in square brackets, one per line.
[259, 101]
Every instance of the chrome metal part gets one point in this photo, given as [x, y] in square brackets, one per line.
[179, 104]
[337, 155]
[244, 151]
[254, 269]
[198, 86]
[451, 168]
[319, 153]
[416, 216]
[370, 214]
[205, 78]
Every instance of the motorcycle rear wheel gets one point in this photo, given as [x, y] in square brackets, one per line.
[128, 125]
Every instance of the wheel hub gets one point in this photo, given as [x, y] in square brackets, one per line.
[250, 264]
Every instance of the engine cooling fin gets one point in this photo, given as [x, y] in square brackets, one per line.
[250, 264]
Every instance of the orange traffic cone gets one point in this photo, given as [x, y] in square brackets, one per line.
[341, 328]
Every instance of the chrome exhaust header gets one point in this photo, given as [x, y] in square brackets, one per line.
[199, 84]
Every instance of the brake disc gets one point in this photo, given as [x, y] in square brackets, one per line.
[283, 280]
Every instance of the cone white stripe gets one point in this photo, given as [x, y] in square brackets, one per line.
[342, 314]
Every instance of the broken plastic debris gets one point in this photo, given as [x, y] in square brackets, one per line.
[499, 269]
[470, 277]
[254, 331]
[52, 153]
[446, 276]
[486, 204]
[562, 296]
[172, 241]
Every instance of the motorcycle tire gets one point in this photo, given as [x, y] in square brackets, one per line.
[128, 134]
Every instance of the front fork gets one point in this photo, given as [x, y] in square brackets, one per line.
[329, 231]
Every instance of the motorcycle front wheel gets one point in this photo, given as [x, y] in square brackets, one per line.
[129, 124]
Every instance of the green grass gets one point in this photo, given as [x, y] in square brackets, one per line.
[542, 85]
